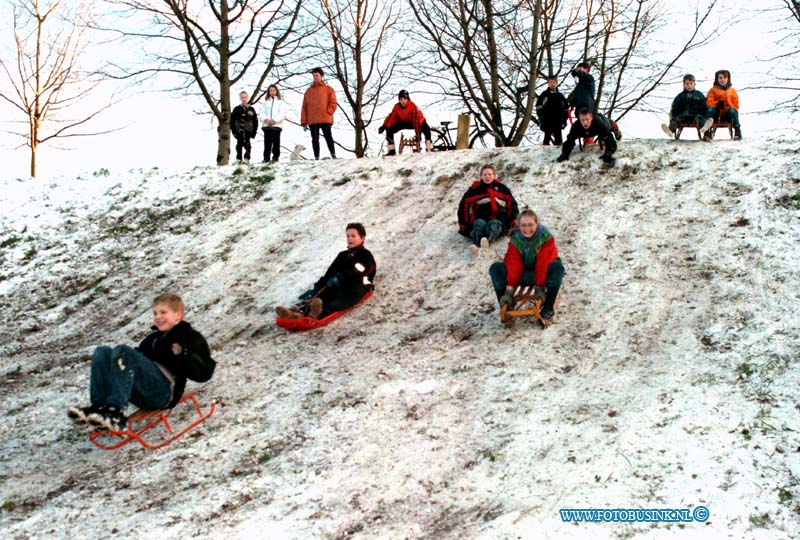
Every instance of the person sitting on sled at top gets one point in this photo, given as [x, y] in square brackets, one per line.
[405, 115]
[723, 102]
[531, 259]
[349, 277]
[590, 125]
[688, 107]
[487, 210]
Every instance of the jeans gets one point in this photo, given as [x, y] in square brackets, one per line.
[326, 132]
[731, 114]
[491, 229]
[272, 143]
[553, 279]
[123, 374]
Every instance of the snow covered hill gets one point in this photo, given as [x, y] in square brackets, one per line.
[670, 379]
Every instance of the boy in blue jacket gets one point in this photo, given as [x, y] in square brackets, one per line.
[688, 107]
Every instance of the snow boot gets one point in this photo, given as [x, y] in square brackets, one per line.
[391, 151]
[428, 146]
[285, 313]
[706, 126]
[79, 415]
[108, 418]
[548, 308]
[737, 134]
[315, 308]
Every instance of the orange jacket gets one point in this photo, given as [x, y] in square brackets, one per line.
[319, 104]
[410, 114]
[728, 95]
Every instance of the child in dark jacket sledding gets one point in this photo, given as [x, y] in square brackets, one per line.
[531, 259]
[487, 210]
[349, 277]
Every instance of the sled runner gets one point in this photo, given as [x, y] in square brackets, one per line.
[721, 125]
[143, 421]
[525, 304]
[681, 125]
[307, 323]
[410, 142]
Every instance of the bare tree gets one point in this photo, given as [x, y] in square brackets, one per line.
[482, 44]
[495, 54]
[784, 73]
[363, 55]
[46, 82]
[212, 46]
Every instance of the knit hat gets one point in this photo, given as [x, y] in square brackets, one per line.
[403, 94]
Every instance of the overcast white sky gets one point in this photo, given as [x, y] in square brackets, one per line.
[162, 130]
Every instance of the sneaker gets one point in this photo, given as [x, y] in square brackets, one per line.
[79, 415]
[737, 134]
[315, 308]
[285, 313]
[547, 314]
[108, 418]
[669, 132]
[706, 126]
[484, 243]
[474, 249]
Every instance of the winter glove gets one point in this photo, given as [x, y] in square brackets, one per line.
[308, 294]
[507, 299]
[720, 105]
[561, 158]
[334, 281]
[381, 129]
[305, 127]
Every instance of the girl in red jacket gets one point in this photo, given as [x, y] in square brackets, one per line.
[405, 115]
[531, 259]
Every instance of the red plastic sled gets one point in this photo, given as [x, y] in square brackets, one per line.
[307, 323]
[142, 421]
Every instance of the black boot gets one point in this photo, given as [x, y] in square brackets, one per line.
[737, 134]
[549, 303]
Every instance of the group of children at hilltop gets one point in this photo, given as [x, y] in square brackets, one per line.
[552, 109]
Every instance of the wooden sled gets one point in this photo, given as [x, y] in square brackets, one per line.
[721, 125]
[307, 323]
[410, 142]
[525, 304]
[143, 421]
[681, 125]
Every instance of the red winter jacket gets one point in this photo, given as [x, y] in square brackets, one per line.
[541, 251]
[409, 113]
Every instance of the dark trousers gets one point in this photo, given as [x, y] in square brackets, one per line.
[553, 279]
[689, 119]
[272, 143]
[390, 131]
[242, 141]
[326, 132]
[552, 132]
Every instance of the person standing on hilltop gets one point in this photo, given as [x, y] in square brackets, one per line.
[583, 97]
[551, 108]
[244, 126]
[274, 115]
[319, 104]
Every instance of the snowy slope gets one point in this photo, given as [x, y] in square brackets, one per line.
[668, 381]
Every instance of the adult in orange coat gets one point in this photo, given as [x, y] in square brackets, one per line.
[405, 115]
[723, 101]
[319, 104]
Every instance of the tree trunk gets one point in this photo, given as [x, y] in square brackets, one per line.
[224, 117]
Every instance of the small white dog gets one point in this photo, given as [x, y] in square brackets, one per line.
[296, 152]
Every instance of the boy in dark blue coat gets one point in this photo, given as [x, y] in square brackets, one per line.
[551, 108]
[688, 107]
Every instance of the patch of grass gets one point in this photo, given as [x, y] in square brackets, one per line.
[784, 495]
[264, 458]
[761, 520]
[745, 369]
[11, 241]
[102, 171]
[8, 506]
[746, 434]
